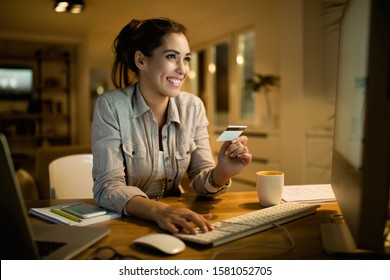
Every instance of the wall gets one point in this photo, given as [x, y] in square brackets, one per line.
[292, 43]
[291, 90]
[308, 71]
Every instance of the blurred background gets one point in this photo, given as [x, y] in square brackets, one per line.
[267, 64]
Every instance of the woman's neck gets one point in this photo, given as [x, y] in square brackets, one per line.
[158, 104]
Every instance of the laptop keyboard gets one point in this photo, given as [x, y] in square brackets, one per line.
[47, 247]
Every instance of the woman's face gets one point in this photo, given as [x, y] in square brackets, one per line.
[166, 70]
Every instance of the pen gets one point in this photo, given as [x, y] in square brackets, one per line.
[66, 215]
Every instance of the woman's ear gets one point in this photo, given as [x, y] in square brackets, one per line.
[139, 59]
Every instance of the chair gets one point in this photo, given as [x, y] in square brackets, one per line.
[71, 177]
[27, 184]
[45, 155]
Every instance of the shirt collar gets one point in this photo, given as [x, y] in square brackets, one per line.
[138, 102]
[140, 106]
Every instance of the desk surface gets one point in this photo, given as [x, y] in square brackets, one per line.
[305, 231]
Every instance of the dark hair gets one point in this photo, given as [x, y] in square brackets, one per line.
[144, 36]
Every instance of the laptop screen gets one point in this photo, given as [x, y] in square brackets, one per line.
[17, 230]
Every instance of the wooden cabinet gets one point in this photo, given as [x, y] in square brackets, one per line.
[44, 119]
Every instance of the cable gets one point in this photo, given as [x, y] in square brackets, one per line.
[289, 237]
[337, 217]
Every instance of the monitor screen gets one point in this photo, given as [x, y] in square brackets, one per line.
[361, 147]
[16, 82]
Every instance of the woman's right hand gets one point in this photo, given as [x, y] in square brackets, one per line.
[169, 218]
[175, 219]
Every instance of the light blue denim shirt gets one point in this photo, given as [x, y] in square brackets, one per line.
[125, 146]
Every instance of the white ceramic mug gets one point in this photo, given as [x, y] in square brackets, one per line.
[269, 186]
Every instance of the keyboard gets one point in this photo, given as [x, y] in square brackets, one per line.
[47, 247]
[241, 226]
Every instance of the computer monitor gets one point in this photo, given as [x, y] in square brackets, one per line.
[361, 148]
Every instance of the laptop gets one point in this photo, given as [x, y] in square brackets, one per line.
[24, 238]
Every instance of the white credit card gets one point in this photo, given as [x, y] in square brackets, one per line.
[231, 133]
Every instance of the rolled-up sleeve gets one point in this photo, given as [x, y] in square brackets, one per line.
[202, 160]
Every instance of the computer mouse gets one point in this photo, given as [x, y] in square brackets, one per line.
[162, 242]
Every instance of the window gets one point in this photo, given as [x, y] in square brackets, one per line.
[245, 65]
[221, 83]
[220, 70]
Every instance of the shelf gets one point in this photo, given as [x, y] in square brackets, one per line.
[56, 140]
[23, 157]
[32, 117]
[17, 57]
[18, 117]
[47, 116]
[20, 138]
[53, 89]
[44, 120]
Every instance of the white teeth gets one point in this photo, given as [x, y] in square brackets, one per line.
[174, 81]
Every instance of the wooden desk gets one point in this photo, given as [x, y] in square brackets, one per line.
[305, 231]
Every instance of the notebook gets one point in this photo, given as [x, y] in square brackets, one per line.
[21, 236]
[47, 214]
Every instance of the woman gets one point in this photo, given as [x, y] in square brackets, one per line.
[146, 135]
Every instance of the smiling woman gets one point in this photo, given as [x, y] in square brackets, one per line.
[166, 70]
[141, 36]
[147, 133]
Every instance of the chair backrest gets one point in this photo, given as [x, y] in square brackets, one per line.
[71, 177]
[47, 154]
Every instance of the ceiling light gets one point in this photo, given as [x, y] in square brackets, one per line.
[71, 6]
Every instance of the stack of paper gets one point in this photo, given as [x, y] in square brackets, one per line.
[319, 193]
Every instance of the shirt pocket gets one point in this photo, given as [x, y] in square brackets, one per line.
[136, 161]
[183, 156]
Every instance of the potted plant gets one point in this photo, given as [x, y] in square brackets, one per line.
[262, 83]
